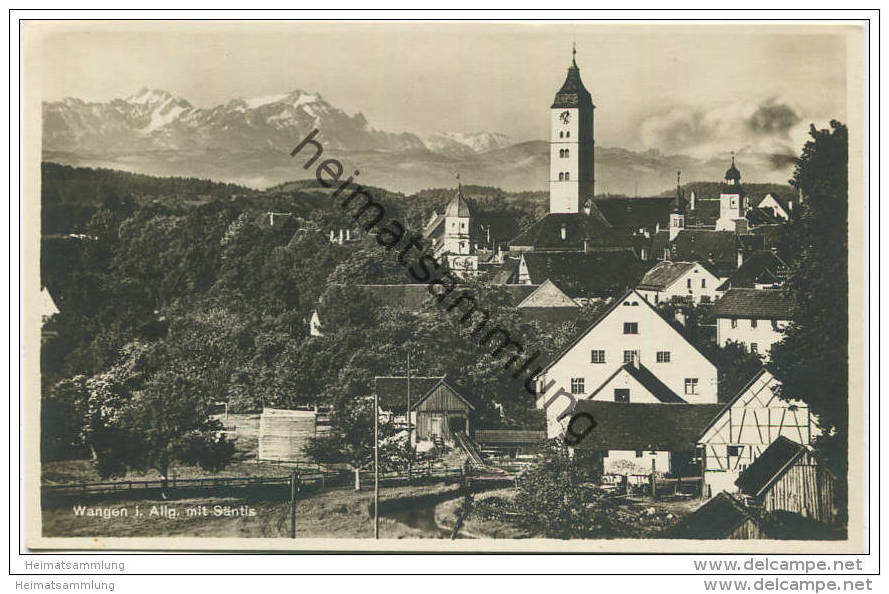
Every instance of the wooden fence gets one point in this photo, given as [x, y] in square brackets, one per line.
[312, 478]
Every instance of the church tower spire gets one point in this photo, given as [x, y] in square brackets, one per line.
[571, 158]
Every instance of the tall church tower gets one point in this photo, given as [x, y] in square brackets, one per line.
[571, 158]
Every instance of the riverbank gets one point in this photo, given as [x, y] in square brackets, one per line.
[475, 526]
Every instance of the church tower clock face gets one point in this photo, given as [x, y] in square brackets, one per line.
[565, 116]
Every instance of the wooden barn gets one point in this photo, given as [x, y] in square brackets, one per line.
[438, 409]
[788, 478]
[722, 517]
[748, 424]
[284, 433]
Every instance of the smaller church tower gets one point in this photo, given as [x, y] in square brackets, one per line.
[456, 224]
[732, 202]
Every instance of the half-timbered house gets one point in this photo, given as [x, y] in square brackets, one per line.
[750, 422]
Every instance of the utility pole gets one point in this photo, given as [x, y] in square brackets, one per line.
[410, 449]
[376, 461]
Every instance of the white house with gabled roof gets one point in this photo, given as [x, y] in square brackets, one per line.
[664, 364]
[690, 281]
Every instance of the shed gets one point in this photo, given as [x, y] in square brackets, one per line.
[438, 409]
[722, 517]
[788, 478]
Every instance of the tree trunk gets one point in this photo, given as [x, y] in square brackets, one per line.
[357, 479]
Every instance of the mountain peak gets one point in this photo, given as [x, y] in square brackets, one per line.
[147, 96]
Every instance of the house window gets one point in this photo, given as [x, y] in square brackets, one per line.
[691, 385]
[753, 323]
[629, 356]
[688, 283]
[621, 395]
[577, 385]
[568, 134]
[754, 348]
[567, 176]
[561, 135]
[567, 153]
[638, 453]
[597, 356]
[561, 177]
[703, 283]
[734, 450]
[663, 356]
[631, 327]
[734, 323]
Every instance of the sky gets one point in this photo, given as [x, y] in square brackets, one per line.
[689, 88]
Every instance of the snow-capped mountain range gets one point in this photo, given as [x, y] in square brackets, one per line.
[156, 119]
[248, 141]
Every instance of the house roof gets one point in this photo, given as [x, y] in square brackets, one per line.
[664, 274]
[701, 245]
[548, 295]
[590, 274]
[649, 381]
[706, 210]
[506, 272]
[761, 267]
[518, 293]
[634, 213]
[580, 229]
[770, 466]
[782, 201]
[645, 426]
[392, 390]
[573, 93]
[716, 519]
[769, 304]
[614, 305]
[503, 437]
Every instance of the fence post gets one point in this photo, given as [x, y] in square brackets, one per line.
[653, 482]
[293, 489]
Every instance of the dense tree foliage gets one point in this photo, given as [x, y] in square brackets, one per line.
[812, 360]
